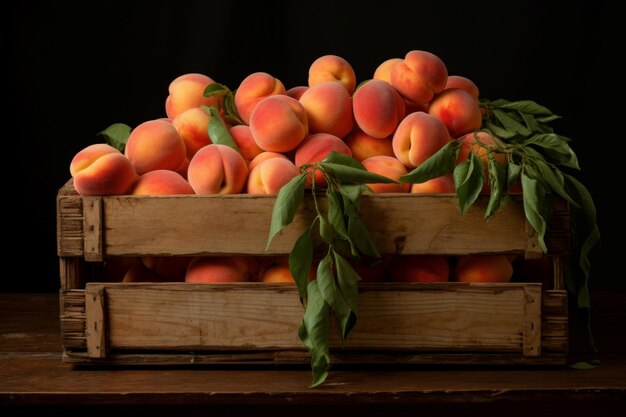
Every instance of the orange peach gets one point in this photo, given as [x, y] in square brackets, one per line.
[383, 71]
[242, 135]
[389, 167]
[378, 108]
[153, 145]
[296, 92]
[269, 176]
[420, 268]
[277, 274]
[458, 110]
[419, 76]
[193, 127]
[161, 182]
[252, 90]
[217, 269]
[100, 169]
[418, 137]
[483, 268]
[114, 268]
[217, 169]
[328, 108]
[464, 83]
[279, 123]
[443, 184]
[172, 267]
[264, 156]
[332, 68]
[182, 170]
[316, 147]
[187, 92]
[480, 143]
[364, 146]
[139, 273]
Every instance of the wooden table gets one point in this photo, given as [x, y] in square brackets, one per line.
[34, 380]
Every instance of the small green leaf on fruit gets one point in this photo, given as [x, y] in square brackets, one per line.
[116, 135]
[287, 202]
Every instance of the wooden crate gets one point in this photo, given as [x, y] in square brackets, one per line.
[178, 323]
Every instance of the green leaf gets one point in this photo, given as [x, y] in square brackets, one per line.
[336, 213]
[586, 365]
[287, 202]
[332, 294]
[555, 146]
[496, 185]
[351, 195]
[326, 230]
[218, 132]
[313, 333]
[511, 124]
[438, 164]
[548, 119]
[347, 174]
[468, 181]
[499, 131]
[300, 261]
[554, 179]
[360, 236]
[527, 106]
[116, 135]
[232, 116]
[533, 199]
[343, 159]
[513, 171]
[347, 281]
[216, 89]
[531, 122]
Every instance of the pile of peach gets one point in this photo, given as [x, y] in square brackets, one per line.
[391, 124]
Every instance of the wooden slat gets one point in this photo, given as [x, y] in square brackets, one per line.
[532, 321]
[554, 335]
[93, 228]
[69, 222]
[95, 319]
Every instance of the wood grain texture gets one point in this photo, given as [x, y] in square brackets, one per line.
[96, 327]
[93, 229]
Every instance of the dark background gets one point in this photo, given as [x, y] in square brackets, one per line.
[78, 68]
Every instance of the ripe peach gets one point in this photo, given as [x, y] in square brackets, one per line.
[269, 176]
[100, 169]
[483, 268]
[153, 145]
[217, 169]
[296, 92]
[458, 110]
[277, 273]
[419, 76]
[383, 72]
[378, 108]
[242, 135]
[332, 68]
[443, 184]
[464, 83]
[217, 269]
[480, 143]
[279, 123]
[193, 127]
[316, 147]
[252, 90]
[264, 156]
[389, 167]
[364, 146]
[418, 137]
[186, 92]
[161, 182]
[420, 268]
[328, 108]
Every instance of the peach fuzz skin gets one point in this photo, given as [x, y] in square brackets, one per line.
[161, 182]
[383, 71]
[469, 143]
[153, 145]
[269, 176]
[483, 268]
[364, 146]
[217, 169]
[252, 90]
[464, 83]
[100, 169]
[420, 268]
[328, 108]
[419, 76]
[217, 269]
[316, 147]
[263, 156]
[332, 68]
[279, 123]
[389, 167]
[458, 110]
[438, 185]
[187, 92]
[192, 125]
[418, 137]
[242, 135]
[378, 108]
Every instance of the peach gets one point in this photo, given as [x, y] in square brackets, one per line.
[153, 145]
[187, 92]
[296, 92]
[389, 167]
[252, 90]
[419, 76]
[332, 68]
[161, 182]
[418, 136]
[265, 156]
[364, 146]
[378, 108]
[328, 108]
[420, 268]
[269, 176]
[458, 110]
[242, 135]
[316, 147]
[171, 267]
[383, 71]
[279, 123]
[114, 268]
[139, 273]
[193, 127]
[217, 269]
[443, 184]
[377, 271]
[277, 274]
[483, 268]
[100, 169]
[182, 170]
[464, 83]
[480, 143]
[217, 169]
